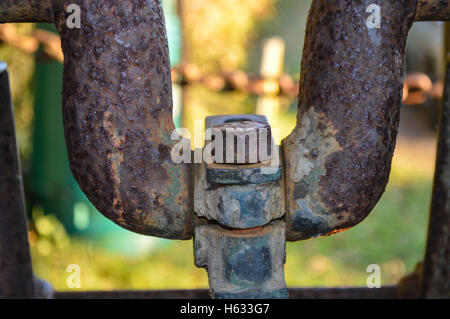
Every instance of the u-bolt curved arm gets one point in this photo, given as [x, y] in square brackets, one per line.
[117, 110]
[338, 158]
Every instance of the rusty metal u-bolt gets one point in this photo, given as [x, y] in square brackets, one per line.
[117, 111]
[338, 158]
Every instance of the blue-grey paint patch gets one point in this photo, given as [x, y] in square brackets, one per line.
[247, 262]
[243, 176]
[250, 213]
[307, 223]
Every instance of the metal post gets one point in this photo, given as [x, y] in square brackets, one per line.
[16, 275]
[271, 70]
[436, 281]
[244, 253]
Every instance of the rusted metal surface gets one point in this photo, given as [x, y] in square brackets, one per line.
[246, 138]
[337, 159]
[239, 206]
[433, 10]
[238, 196]
[16, 275]
[245, 254]
[243, 263]
[244, 142]
[242, 174]
[26, 11]
[117, 112]
[436, 279]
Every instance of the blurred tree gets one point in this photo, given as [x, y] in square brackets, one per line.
[216, 36]
[217, 32]
[21, 70]
[289, 24]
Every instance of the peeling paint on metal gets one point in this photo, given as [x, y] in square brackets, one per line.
[117, 111]
[337, 159]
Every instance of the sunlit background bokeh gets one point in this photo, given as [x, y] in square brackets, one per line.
[217, 36]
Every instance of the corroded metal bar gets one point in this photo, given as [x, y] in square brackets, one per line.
[16, 275]
[243, 264]
[26, 11]
[436, 279]
[117, 112]
[387, 292]
[245, 254]
[337, 159]
[433, 10]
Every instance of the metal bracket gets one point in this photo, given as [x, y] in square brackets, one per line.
[245, 259]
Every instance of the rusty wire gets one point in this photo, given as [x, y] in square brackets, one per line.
[418, 87]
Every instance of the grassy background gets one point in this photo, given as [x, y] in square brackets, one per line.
[393, 236]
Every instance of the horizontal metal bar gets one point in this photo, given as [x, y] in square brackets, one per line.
[26, 11]
[388, 292]
[433, 10]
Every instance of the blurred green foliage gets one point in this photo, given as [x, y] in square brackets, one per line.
[21, 70]
[217, 33]
[393, 236]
